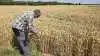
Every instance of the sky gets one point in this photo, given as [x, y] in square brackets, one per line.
[72, 1]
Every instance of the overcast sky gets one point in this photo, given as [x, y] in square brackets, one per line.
[72, 1]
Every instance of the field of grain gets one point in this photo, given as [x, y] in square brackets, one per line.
[63, 30]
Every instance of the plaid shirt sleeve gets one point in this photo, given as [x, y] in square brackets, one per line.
[31, 26]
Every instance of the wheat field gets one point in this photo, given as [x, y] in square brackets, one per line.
[63, 30]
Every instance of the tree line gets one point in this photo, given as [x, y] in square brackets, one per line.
[10, 2]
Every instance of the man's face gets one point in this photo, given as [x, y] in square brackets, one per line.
[37, 13]
[36, 16]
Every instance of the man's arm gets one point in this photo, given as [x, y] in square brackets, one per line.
[31, 26]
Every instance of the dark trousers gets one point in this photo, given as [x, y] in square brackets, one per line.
[20, 38]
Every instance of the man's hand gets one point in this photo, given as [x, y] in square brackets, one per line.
[33, 33]
[33, 30]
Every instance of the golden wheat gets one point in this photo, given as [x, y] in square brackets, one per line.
[63, 30]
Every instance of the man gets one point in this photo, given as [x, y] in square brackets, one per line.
[21, 25]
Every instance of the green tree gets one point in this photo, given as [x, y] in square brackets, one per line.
[6, 0]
